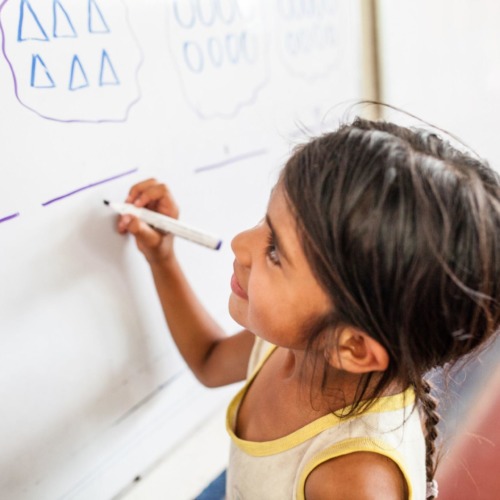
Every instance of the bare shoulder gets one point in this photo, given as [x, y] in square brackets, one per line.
[357, 476]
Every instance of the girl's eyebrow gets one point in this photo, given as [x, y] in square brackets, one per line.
[277, 241]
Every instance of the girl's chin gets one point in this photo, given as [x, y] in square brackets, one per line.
[236, 312]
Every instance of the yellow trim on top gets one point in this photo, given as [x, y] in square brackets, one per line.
[265, 448]
[261, 362]
[354, 445]
[232, 409]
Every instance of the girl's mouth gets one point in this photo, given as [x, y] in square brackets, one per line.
[236, 288]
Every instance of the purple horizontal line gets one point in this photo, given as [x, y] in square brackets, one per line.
[234, 159]
[88, 186]
[9, 217]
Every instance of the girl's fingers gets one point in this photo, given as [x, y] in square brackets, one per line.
[143, 233]
[150, 195]
[167, 205]
[123, 223]
[153, 195]
[137, 189]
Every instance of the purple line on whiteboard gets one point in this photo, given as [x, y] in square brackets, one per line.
[88, 186]
[228, 161]
[9, 217]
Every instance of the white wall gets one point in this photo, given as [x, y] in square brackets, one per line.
[441, 61]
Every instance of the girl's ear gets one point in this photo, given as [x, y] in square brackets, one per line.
[357, 352]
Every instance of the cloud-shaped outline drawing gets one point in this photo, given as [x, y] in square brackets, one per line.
[238, 106]
[76, 120]
[307, 76]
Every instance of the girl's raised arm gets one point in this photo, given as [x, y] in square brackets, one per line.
[214, 358]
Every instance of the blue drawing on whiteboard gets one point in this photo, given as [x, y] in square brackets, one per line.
[307, 36]
[215, 51]
[97, 23]
[78, 78]
[207, 18]
[40, 76]
[107, 75]
[232, 11]
[232, 49]
[185, 23]
[193, 57]
[219, 44]
[72, 60]
[29, 26]
[63, 27]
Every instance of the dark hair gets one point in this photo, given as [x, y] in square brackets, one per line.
[402, 230]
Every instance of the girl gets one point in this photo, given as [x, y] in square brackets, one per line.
[378, 259]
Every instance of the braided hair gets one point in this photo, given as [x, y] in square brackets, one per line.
[429, 408]
[402, 230]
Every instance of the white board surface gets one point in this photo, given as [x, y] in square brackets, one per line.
[96, 95]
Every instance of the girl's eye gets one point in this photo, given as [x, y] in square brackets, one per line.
[271, 251]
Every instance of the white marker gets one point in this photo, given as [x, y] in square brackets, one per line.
[167, 224]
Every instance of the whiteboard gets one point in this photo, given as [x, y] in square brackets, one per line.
[95, 95]
[440, 60]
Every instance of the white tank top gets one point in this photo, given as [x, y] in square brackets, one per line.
[278, 469]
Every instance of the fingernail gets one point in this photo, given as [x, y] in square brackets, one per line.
[125, 221]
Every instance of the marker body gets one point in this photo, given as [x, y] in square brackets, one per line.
[168, 224]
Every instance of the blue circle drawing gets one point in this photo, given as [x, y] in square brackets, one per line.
[193, 56]
[189, 23]
[229, 15]
[292, 43]
[210, 20]
[215, 51]
[233, 48]
[249, 47]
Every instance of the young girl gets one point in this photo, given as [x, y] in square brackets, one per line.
[378, 259]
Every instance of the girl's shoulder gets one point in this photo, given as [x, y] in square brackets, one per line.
[360, 476]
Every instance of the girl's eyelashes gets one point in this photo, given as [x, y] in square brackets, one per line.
[271, 250]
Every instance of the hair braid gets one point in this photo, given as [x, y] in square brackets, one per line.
[431, 419]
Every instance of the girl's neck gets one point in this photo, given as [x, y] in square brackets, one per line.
[327, 388]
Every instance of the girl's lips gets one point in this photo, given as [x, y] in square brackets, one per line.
[236, 288]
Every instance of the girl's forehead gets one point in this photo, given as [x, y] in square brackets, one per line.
[280, 206]
[283, 222]
[278, 203]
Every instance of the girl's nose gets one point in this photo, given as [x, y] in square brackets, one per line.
[242, 246]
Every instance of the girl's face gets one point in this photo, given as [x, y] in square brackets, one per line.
[274, 293]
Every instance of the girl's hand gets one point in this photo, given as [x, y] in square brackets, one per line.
[151, 194]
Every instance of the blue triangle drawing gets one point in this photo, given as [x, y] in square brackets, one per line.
[29, 27]
[40, 76]
[107, 75]
[63, 27]
[97, 23]
[77, 78]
